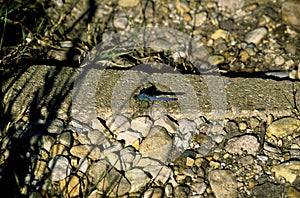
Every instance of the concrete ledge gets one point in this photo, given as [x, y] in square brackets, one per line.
[111, 91]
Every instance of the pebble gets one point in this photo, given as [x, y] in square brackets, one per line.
[128, 3]
[242, 126]
[216, 59]
[182, 191]
[159, 44]
[118, 123]
[161, 174]
[292, 192]
[290, 13]
[40, 169]
[73, 185]
[181, 7]
[60, 168]
[231, 4]
[187, 17]
[283, 127]
[187, 126]
[198, 162]
[168, 124]
[188, 172]
[114, 184]
[137, 178]
[129, 158]
[245, 143]
[268, 190]
[56, 126]
[65, 139]
[187, 129]
[58, 149]
[190, 161]
[199, 19]
[120, 22]
[83, 164]
[199, 188]
[131, 138]
[270, 119]
[169, 190]
[250, 7]
[115, 161]
[97, 137]
[220, 33]
[82, 137]
[47, 141]
[263, 158]
[205, 148]
[288, 170]
[141, 124]
[255, 36]
[254, 122]
[279, 60]
[214, 165]
[82, 151]
[294, 74]
[157, 144]
[153, 193]
[223, 183]
[247, 160]
[97, 171]
[244, 56]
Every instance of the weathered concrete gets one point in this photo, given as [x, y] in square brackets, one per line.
[112, 91]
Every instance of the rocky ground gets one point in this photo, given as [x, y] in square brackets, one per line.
[67, 133]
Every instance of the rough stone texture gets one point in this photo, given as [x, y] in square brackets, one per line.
[60, 168]
[157, 144]
[292, 192]
[65, 139]
[290, 13]
[137, 178]
[268, 190]
[118, 123]
[231, 4]
[82, 151]
[245, 143]
[130, 137]
[142, 125]
[255, 36]
[288, 170]
[73, 186]
[283, 127]
[114, 184]
[97, 137]
[97, 171]
[40, 169]
[223, 184]
[128, 3]
[153, 192]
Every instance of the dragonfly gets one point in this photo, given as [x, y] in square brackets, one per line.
[147, 97]
[151, 94]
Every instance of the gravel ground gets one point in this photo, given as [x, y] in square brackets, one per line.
[51, 148]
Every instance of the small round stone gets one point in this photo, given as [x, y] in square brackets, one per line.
[242, 126]
[254, 122]
[279, 60]
[128, 3]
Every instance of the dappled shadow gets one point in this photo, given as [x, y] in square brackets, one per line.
[35, 98]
